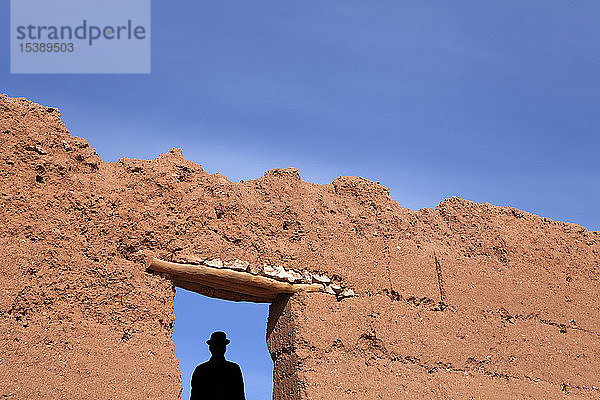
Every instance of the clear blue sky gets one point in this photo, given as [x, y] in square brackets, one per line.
[492, 101]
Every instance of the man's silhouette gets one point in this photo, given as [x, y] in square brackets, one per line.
[217, 379]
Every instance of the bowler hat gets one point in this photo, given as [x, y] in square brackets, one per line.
[218, 338]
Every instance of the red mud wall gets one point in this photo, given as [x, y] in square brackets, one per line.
[460, 301]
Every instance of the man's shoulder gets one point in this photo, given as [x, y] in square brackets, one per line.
[232, 365]
[209, 364]
[202, 366]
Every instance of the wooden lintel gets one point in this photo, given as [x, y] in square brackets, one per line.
[220, 293]
[228, 286]
[244, 283]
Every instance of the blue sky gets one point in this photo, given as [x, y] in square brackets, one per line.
[494, 101]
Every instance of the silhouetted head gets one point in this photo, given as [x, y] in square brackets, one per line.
[217, 344]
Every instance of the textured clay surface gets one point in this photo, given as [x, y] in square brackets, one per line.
[462, 301]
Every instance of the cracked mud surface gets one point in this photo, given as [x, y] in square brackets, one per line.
[510, 309]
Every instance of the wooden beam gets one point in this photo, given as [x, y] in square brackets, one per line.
[220, 293]
[226, 279]
[221, 285]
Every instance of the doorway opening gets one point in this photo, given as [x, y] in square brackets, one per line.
[213, 295]
[197, 316]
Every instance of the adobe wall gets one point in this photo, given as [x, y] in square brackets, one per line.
[460, 301]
